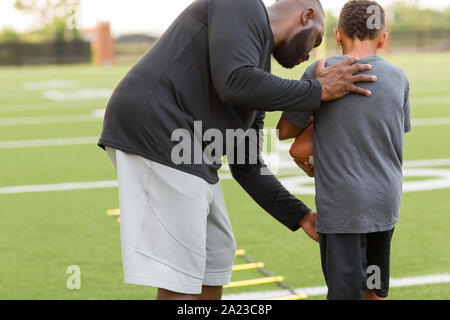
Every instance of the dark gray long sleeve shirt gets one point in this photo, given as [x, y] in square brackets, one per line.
[212, 65]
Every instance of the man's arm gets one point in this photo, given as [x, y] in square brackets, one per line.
[270, 194]
[237, 32]
[236, 39]
[266, 190]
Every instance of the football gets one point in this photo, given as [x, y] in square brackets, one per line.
[302, 150]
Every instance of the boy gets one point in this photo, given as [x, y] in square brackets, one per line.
[358, 154]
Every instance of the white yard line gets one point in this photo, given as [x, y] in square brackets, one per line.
[223, 175]
[59, 187]
[5, 122]
[427, 163]
[319, 291]
[430, 101]
[428, 122]
[44, 106]
[96, 115]
[47, 142]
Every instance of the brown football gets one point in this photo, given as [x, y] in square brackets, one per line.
[302, 150]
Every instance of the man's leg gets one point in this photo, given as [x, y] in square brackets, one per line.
[164, 294]
[208, 293]
[220, 247]
[163, 226]
[211, 293]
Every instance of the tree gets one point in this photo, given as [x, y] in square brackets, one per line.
[9, 36]
[58, 16]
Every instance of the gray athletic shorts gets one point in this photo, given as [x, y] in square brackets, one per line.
[174, 226]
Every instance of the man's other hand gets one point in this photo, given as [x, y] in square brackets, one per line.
[339, 79]
[308, 223]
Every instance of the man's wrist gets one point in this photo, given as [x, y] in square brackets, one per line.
[318, 92]
[303, 216]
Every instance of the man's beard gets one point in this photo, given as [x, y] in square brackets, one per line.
[290, 55]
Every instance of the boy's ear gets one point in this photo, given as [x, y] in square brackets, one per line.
[337, 36]
[383, 38]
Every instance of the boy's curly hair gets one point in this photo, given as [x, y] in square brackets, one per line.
[353, 20]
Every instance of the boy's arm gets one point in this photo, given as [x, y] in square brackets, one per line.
[292, 123]
[287, 130]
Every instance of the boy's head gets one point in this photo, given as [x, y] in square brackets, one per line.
[361, 21]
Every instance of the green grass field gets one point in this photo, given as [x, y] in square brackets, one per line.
[42, 233]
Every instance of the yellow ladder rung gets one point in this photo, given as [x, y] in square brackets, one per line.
[240, 252]
[248, 266]
[254, 282]
[113, 212]
[293, 297]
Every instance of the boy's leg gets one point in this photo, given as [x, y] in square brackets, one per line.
[344, 265]
[378, 254]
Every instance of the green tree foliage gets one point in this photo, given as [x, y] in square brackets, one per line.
[409, 18]
[9, 36]
[54, 19]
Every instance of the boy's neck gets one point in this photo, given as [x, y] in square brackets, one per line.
[359, 49]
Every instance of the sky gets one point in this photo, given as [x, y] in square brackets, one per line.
[145, 16]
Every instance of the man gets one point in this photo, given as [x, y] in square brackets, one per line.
[211, 66]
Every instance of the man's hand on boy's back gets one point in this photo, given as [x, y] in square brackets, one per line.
[308, 225]
[339, 79]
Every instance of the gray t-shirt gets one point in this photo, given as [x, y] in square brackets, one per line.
[358, 152]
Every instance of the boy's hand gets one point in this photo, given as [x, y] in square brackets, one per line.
[309, 170]
[339, 79]
[308, 224]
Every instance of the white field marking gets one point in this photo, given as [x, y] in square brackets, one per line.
[99, 113]
[429, 101]
[427, 163]
[81, 94]
[319, 291]
[44, 106]
[51, 84]
[60, 187]
[297, 184]
[438, 179]
[5, 122]
[441, 180]
[47, 142]
[293, 184]
[427, 122]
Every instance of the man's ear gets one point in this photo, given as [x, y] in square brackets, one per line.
[383, 38]
[337, 36]
[307, 16]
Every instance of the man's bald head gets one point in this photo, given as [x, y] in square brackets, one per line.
[303, 4]
[298, 27]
